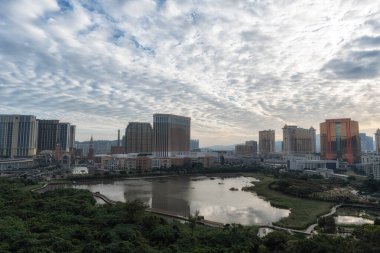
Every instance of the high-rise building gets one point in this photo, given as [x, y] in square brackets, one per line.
[64, 136]
[366, 143]
[340, 140]
[194, 144]
[72, 136]
[47, 135]
[91, 152]
[138, 137]
[171, 135]
[266, 142]
[298, 140]
[377, 141]
[18, 135]
[247, 149]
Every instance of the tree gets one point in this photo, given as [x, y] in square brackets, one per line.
[192, 220]
[327, 224]
[135, 210]
[276, 241]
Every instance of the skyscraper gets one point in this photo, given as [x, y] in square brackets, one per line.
[366, 143]
[298, 140]
[72, 136]
[377, 141]
[340, 140]
[18, 135]
[171, 135]
[91, 152]
[64, 136]
[266, 142]
[138, 137]
[47, 134]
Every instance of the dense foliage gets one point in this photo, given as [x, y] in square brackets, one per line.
[69, 220]
[313, 187]
[327, 224]
[370, 185]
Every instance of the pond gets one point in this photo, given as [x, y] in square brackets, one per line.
[355, 216]
[352, 220]
[211, 196]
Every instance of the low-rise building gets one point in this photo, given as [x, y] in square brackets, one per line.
[376, 171]
[112, 164]
[143, 164]
[159, 163]
[312, 164]
[370, 158]
[325, 173]
[368, 163]
[16, 164]
[309, 162]
[80, 171]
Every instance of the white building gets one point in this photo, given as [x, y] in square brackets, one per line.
[309, 162]
[325, 173]
[80, 171]
[312, 164]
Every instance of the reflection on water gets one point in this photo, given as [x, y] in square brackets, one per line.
[352, 220]
[184, 195]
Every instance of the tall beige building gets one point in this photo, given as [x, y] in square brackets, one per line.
[266, 142]
[377, 141]
[18, 135]
[171, 135]
[247, 149]
[298, 140]
[138, 137]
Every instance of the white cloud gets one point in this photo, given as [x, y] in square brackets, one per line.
[235, 67]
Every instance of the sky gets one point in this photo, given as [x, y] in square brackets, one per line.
[235, 67]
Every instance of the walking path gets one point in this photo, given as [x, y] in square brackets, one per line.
[104, 198]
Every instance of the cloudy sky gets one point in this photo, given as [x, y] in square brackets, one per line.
[235, 67]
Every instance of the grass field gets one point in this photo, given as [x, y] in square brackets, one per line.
[304, 212]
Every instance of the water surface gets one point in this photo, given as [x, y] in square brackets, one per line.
[352, 220]
[184, 195]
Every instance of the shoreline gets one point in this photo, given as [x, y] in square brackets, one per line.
[286, 223]
[119, 178]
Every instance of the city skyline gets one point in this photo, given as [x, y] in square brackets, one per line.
[234, 67]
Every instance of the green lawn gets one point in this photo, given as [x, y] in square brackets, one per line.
[304, 212]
